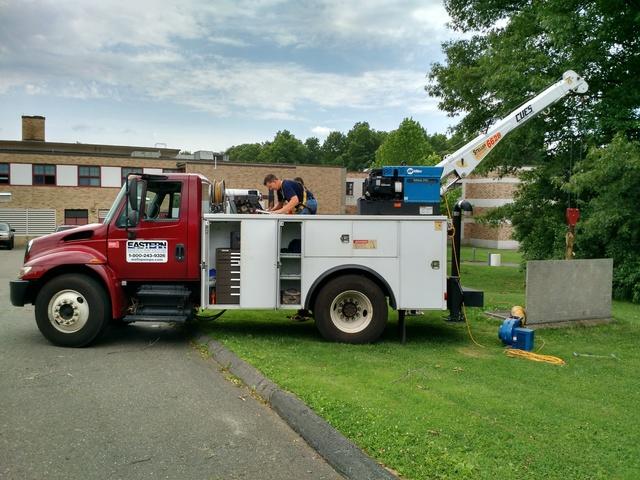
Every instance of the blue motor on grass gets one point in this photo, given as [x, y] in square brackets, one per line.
[514, 335]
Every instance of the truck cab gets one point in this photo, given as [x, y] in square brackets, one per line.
[149, 244]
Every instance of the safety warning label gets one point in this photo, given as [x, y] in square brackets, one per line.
[147, 251]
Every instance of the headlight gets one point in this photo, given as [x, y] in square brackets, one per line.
[29, 245]
[24, 271]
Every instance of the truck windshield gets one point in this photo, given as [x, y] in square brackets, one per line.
[116, 203]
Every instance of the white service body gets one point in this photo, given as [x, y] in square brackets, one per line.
[408, 252]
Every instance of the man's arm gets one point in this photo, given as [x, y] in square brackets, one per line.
[289, 206]
[277, 206]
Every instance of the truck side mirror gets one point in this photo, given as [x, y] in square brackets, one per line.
[132, 195]
[132, 218]
[13, 230]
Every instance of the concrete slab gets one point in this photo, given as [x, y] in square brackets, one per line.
[568, 290]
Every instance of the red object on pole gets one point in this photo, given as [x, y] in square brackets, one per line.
[573, 215]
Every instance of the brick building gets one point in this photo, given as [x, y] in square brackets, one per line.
[485, 193]
[353, 191]
[50, 183]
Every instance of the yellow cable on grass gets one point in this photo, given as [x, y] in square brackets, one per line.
[464, 310]
[535, 357]
[517, 310]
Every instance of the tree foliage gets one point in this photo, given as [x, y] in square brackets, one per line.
[361, 144]
[608, 181]
[313, 147]
[285, 148]
[408, 144]
[333, 148]
[513, 50]
[245, 153]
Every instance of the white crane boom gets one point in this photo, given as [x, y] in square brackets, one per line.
[464, 160]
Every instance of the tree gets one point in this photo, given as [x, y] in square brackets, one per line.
[285, 148]
[333, 148]
[608, 179]
[360, 146]
[518, 48]
[313, 150]
[244, 153]
[408, 144]
[534, 42]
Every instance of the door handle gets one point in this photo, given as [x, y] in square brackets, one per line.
[180, 252]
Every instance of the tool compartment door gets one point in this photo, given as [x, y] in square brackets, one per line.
[423, 267]
[258, 272]
[375, 238]
[327, 238]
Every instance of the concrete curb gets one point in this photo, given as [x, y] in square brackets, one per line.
[342, 454]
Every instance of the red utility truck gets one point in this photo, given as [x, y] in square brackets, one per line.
[161, 252]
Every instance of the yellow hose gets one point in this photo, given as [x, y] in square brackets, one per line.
[535, 357]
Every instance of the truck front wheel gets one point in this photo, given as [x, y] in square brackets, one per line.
[72, 310]
[351, 309]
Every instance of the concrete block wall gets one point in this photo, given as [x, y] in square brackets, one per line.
[568, 290]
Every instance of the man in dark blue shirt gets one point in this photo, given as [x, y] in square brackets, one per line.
[293, 197]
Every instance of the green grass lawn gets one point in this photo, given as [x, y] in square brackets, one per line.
[441, 407]
[482, 255]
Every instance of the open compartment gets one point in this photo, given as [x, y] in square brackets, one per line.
[290, 264]
[224, 263]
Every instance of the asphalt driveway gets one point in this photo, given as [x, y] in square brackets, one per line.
[143, 403]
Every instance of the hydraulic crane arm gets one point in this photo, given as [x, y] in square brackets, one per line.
[464, 160]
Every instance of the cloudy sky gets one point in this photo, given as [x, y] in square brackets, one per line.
[205, 74]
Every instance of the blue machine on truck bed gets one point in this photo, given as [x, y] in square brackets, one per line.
[401, 190]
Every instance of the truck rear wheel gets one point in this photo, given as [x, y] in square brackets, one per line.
[351, 309]
[72, 310]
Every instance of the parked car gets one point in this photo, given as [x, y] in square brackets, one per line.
[6, 235]
[62, 228]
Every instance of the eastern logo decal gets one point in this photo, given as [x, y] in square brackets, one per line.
[147, 251]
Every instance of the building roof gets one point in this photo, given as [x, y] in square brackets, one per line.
[59, 148]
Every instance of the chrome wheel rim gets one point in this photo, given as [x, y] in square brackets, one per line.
[68, 311]
[351, 311]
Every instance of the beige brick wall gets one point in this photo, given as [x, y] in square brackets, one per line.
[486, 232]
[480, 211]
[490, 190]
[61, 198]
[33, 128]
[86, 160]
[326, 183]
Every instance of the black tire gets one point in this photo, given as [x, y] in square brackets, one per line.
[11, 244]
[81, 301]
[351, 309]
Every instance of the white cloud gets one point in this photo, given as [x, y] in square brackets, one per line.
[322, 131]
[177, 53]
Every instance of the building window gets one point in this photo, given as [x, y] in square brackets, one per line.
[349, 189]
[102, 214]
[173, 170]
[4, 173]
[76, 217]
[44, 174]
[127, 170]
[88, 176]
